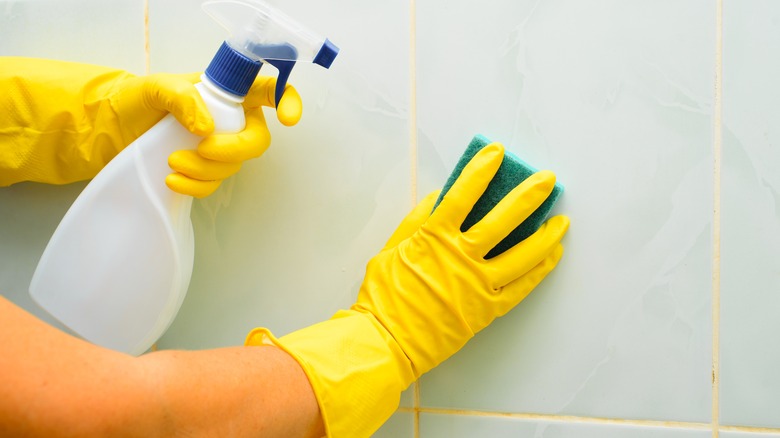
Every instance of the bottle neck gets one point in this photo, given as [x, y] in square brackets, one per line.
[219, 91]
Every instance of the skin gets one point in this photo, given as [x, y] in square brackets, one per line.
[55, 385]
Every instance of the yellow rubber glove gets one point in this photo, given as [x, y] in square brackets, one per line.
[62, 122]
[423, 297]
[219, 156]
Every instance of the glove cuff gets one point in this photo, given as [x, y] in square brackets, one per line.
[355, 367]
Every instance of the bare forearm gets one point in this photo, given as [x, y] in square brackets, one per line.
[52, 384]
[236, 392]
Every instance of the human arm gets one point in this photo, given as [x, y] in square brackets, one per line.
[55, 385]
[62, 122]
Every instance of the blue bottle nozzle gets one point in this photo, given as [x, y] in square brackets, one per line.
[261, 33]
[327, 54]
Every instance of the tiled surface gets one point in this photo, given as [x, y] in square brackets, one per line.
[457, 426]
[90, 31]
[400, 425]
[615, 96]
[750, 271]
[622, 112]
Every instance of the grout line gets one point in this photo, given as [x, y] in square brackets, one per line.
[750, 429]
[716, 153]
[416, 405]
[588, 420]
[147, 57]
[570, 418]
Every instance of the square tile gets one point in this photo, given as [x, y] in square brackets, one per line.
[750, 231]
[400, 425]
[284, 243]
[622, 112]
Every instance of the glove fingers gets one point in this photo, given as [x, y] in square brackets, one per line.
[193, 78]
[263, 93]
[187, 186]
[511, 211]
[520, 259]
[232, 148]
[177, 95]
[290, 107]
[191, 164]
[469, 186]
[413, 220]
[513, 293]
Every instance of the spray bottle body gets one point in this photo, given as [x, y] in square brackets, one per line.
[118, 266]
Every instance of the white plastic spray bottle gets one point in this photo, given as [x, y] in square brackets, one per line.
[118, 266]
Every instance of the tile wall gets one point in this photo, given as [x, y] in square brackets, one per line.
[660, 118]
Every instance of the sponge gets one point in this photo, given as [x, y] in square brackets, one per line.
[510, 174]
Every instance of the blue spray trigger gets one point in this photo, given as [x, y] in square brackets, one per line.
[281, 56]
[285, 68]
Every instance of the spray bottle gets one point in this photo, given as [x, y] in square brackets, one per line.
[118, 266]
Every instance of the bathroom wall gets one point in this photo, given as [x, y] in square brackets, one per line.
[659, 117]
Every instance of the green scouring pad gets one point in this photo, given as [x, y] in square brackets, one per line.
[510, 174]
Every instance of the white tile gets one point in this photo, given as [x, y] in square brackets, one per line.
[89, 31]
[407, 397]
[459, 426]
[750, 273]
[616, 97]
[400, 425]
[284, 244]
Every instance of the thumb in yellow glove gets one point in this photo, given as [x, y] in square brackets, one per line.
[423, 297]
[62, 122]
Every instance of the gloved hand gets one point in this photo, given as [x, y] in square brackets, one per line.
[62, 122]
[423, 297]
[219, 156]
[413, 220]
